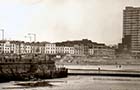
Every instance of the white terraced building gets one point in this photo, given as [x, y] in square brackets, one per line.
[64, 50]
[50, 48]
[7, 47]
[2, 46]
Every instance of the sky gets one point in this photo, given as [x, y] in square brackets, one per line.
[61, 20]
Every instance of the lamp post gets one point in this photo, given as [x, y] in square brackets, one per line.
[2, 33]
[33, 35]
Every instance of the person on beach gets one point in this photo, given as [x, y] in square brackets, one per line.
[120, 66]
[99, 68]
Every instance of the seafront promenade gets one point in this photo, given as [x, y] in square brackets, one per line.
[104, 70]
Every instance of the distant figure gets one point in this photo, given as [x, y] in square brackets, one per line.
[99, 69]
[120, 66]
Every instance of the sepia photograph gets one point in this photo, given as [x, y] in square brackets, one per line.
[69, 44]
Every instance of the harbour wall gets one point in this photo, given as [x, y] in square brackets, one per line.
[103, 72]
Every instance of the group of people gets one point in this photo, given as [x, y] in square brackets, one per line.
[119, 66]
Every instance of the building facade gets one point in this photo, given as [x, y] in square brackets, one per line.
[22, 49]
[15, 47]
[7, 47]
[50, 48]
[131, 30]
[75, 49]
[102, 52]
[2, 47]
[38, 48]
[79, 50]
[64, 50]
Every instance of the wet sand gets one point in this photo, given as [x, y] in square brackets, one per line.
[82, 83]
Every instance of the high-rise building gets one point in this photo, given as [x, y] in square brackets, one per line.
[131, 30]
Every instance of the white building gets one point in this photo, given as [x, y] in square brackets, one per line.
[7, 47]
[64, 50]
[50, 48]
[2, 46]
[60, 50]
[69, 50]
[22, 48]
[42, 48]
[38, 48]
[15, 47]
[91, 51]
[28, 48]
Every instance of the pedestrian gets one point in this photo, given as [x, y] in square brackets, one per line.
[99, 69]
[119, 66]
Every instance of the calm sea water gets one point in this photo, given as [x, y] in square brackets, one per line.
[84, 83]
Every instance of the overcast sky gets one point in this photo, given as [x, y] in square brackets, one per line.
[60, 20]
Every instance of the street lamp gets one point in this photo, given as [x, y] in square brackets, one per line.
[33, 35]
[2, 33]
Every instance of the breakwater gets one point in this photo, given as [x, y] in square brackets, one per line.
[49, 74]
[31, 67]
[102, 72]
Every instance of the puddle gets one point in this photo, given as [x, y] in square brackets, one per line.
[35, 84]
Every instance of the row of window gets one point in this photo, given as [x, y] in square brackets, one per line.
[61, 48]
